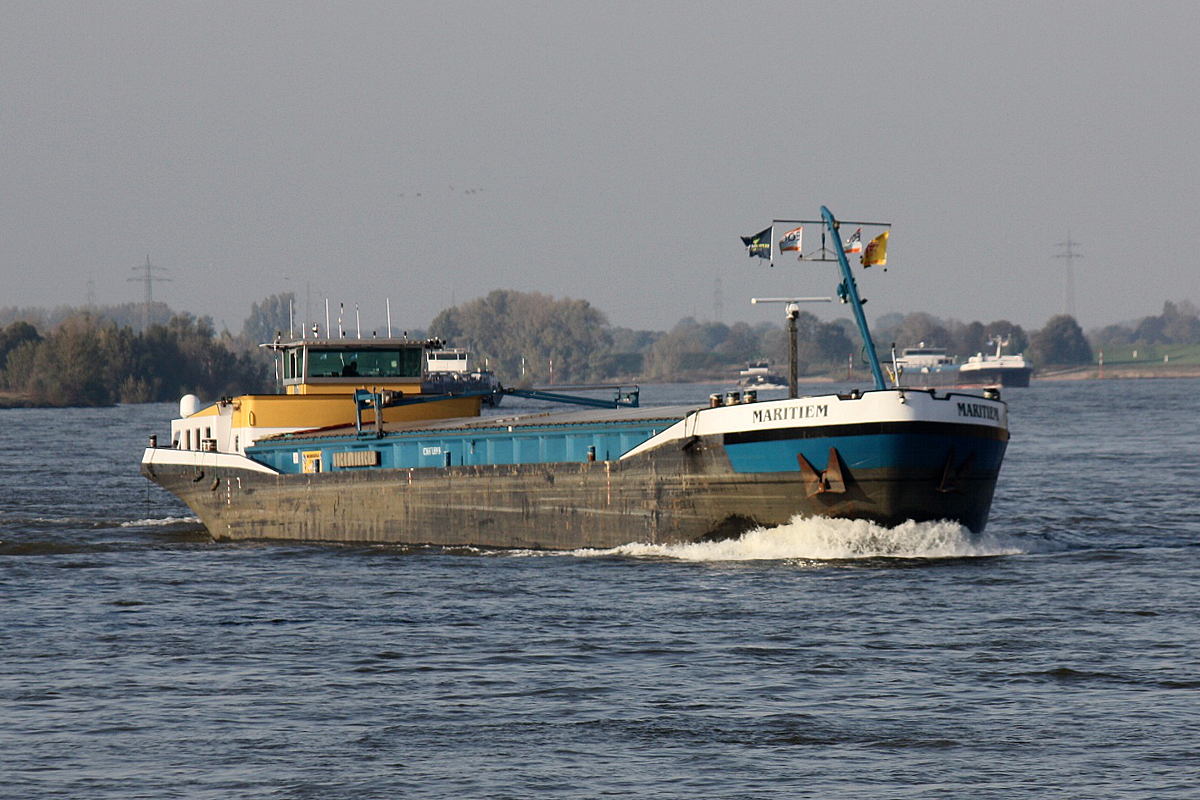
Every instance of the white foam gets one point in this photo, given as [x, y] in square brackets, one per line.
[820, 539]
[151, 523]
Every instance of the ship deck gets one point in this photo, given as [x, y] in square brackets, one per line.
[497, 422]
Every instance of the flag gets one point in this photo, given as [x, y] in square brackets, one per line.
[759, 244]
[791, 240]
[855, 244]
[876, 251]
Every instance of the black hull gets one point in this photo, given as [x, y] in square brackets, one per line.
[949, 379]
[1016, 378]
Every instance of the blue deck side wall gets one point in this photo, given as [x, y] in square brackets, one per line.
[525, 445]
[551, 444]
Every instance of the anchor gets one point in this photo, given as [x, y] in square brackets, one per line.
[831, 481]
[953, 476]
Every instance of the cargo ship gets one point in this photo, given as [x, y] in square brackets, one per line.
[996, 369]
[412, 468]
[927, 366]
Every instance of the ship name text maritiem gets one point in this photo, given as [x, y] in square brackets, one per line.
[790, 412]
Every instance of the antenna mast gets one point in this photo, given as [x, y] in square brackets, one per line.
[847, 290]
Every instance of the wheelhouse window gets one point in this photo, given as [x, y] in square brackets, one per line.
[291, 363]
[355, 363]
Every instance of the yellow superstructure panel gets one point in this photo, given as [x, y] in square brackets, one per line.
[307, 411]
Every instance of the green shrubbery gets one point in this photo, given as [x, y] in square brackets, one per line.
[85, 361]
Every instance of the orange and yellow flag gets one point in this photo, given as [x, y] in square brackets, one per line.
[876, 253]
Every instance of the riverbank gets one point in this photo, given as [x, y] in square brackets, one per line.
[17, 400]
[1124, 372]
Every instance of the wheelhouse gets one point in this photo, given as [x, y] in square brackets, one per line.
[322, 366]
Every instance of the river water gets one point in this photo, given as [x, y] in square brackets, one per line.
[1056, 655]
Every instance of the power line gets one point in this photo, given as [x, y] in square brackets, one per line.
[1069, 283]
[145, 275]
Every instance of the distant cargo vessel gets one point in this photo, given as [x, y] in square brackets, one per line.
[932, 367]
[411, 467]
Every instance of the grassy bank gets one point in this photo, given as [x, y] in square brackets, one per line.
[1151, 356]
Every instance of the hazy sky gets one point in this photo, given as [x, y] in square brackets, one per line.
[431, 152]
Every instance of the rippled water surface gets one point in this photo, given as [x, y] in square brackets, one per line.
[1056, 655]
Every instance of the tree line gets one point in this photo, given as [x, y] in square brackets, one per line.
[1060, 342]
[526, 338]
[89, 361]
[532, 338]
[1179, 323]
